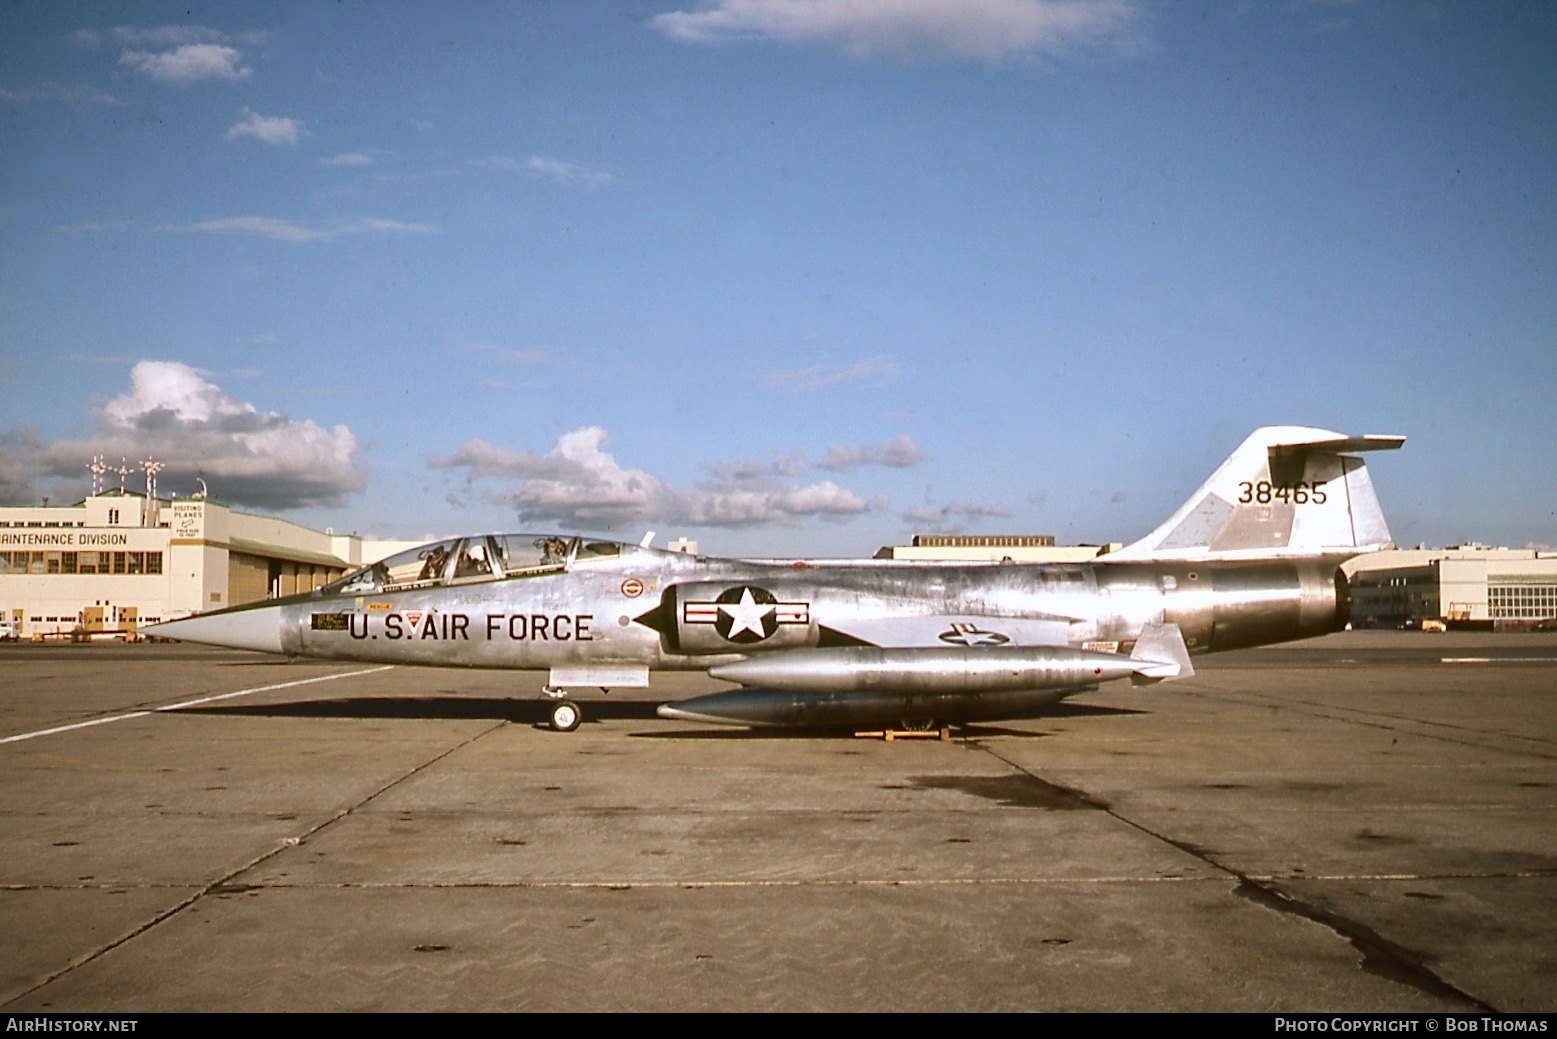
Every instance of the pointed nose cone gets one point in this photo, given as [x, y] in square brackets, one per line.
[257, 628]
[721, 715]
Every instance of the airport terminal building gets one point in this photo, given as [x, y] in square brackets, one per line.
[120, 560]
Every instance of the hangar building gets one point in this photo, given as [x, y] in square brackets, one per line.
[1468, 586]
[993, 548]
[118, 560]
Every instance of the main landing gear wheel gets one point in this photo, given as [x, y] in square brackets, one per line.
[565, 716]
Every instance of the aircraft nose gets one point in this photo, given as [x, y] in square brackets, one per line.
[257, 628]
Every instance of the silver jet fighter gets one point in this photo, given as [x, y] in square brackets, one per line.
[1251, 558]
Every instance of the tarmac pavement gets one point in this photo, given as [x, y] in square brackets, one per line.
[1366, 822]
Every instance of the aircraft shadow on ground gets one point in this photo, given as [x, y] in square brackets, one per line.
[537, 713]
[431, 708]
[968, 730]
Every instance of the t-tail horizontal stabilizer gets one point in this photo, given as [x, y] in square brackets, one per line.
[1288, 492]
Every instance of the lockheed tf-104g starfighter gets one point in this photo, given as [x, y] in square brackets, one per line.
[1251, 558]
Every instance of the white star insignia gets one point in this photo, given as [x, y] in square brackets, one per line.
[972, 635]
[746, 615]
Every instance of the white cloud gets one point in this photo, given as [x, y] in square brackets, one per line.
[172, 413]
[179, 35]
[578, 483]
[366, 224]
[287, 231]
[191, 63]
[953, 517]
[874, 371]
[347, 159]
[482, 459]
[981, 29]
[263, 226]
[415, 178]
[568, 174]
[496, 163]
[744, 472]
[271, 129]
[898, 453]
[165, 36]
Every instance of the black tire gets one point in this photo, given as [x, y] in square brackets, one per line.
[565, 716]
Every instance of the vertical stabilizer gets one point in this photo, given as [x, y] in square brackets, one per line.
[1287, 492]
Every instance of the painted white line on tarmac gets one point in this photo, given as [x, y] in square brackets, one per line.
[1498, 660]
[192, 703]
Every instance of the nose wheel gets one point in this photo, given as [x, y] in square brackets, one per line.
[565, 716]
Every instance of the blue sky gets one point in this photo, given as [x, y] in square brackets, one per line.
[786, 277]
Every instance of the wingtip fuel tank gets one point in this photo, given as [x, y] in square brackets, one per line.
[859, 685]
[937, 669]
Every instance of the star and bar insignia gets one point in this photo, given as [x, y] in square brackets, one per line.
[746, 614]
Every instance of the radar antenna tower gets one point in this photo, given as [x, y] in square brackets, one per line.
[152, 468]
[98, 468]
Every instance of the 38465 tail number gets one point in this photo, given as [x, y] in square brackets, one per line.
[1263, 492]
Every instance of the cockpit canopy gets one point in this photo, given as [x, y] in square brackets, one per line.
[487, 557]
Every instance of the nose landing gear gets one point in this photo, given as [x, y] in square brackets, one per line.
[565, 715]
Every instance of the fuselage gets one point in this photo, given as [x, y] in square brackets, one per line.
[655, 609]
